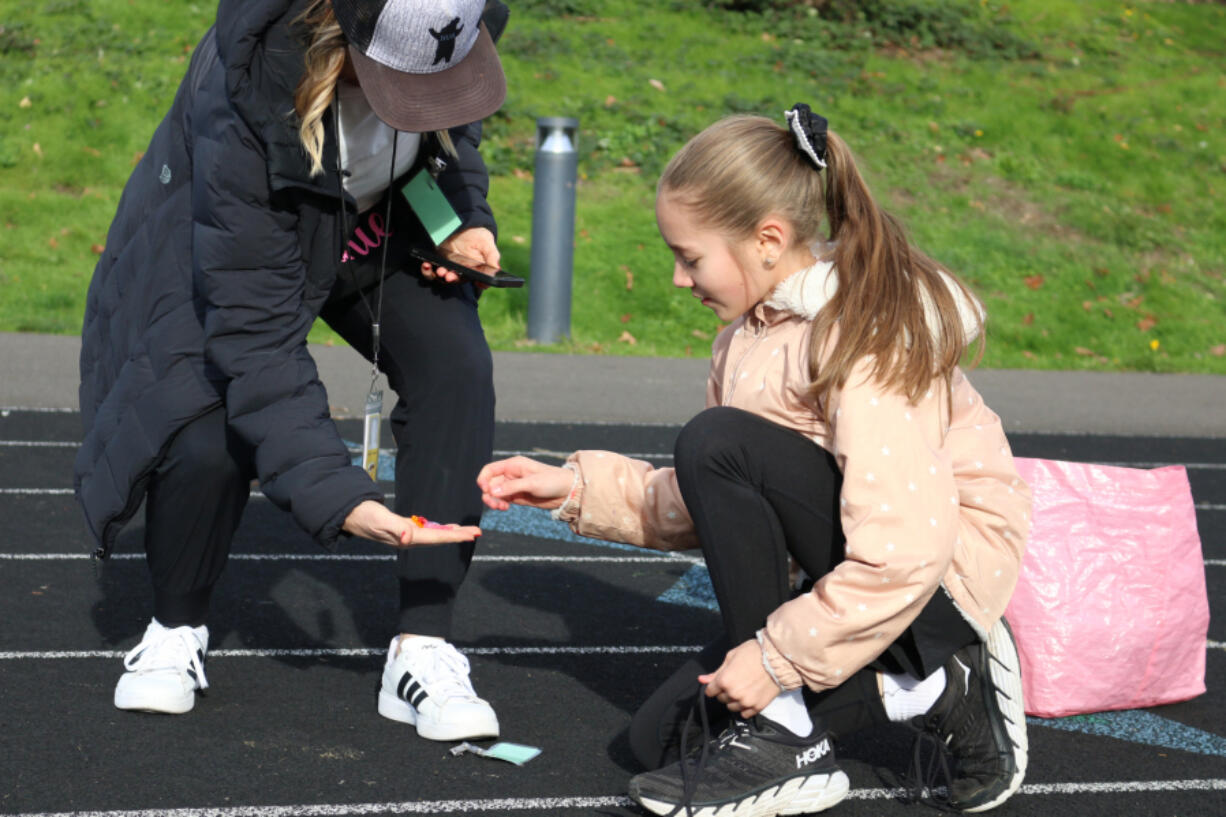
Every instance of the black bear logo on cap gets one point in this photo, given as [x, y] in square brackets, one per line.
[446, 41]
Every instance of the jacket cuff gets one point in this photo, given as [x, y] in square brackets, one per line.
[568, 511]
[780, 669]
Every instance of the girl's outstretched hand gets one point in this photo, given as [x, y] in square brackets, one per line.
[372, 520]
[523, 481]
[741, 683]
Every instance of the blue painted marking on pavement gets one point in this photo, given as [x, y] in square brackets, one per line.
[386, 471]
[693, 589]
[536, 522]
[1139, 726]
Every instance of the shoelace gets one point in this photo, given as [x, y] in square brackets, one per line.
[447, 672]
[165, 650]
[689, 782]
[922, 781]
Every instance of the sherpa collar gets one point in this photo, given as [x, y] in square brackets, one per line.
[805, 292]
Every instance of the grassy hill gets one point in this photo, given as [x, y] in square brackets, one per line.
[1066, 158]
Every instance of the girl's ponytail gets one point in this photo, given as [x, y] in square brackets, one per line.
[893, 303]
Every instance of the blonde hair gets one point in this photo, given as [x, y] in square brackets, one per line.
[325, 59]
[744, 168]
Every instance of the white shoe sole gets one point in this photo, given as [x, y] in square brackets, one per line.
[395, 709]
[1006, 672]
[800, 795]
[161, 704]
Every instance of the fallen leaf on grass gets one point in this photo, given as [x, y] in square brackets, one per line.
[629, 276]
[655, 83]
[1034, 281]
[1219, 350]
[610, 101]
[25, 102]
[1084, 352]
[626, 318]
[97, 249]
[701, 335]
[1028, 319]
[38, 149]
[1147, 323]
[626, 337]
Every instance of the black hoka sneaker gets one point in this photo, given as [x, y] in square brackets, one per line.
[754, 768]
[980, 719]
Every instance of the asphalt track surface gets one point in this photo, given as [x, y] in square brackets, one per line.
[565, 638]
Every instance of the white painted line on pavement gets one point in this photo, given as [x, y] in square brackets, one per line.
[36, 491]
[1200, 506]
[343, 652]
[366, 557]
[37, 444]
[542, 803]
[5, 410]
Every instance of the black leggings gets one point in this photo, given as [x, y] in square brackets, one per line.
[759, 494]
[436, 359]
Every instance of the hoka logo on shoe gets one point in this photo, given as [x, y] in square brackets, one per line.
[814, 752]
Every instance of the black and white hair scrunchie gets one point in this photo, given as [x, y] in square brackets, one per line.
[810, 132]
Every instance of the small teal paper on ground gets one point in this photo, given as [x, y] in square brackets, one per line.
[515, 753]
[1139, 726]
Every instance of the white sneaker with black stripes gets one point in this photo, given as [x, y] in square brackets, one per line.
[426, 684]
[165, 670]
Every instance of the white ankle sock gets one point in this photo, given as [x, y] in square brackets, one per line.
[905, 697]
[789, 711]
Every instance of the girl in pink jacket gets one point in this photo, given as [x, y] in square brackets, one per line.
[840, 436]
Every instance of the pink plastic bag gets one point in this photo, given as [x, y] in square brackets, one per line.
[1110, 611]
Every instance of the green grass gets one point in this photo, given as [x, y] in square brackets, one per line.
[1066, 158]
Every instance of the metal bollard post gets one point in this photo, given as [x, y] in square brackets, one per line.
[553, 228]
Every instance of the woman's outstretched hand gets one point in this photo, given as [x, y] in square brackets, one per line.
[523, 481]
[372, 520]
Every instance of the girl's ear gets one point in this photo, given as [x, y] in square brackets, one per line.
[773, 238]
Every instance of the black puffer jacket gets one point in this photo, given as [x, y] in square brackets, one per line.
[220, 256]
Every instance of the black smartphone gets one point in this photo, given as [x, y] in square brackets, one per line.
[467, 267]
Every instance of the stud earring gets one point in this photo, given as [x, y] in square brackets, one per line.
[768, 262]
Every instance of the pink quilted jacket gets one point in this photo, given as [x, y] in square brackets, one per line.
[931, 501]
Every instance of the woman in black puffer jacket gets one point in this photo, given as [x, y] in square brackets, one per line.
[270, 195]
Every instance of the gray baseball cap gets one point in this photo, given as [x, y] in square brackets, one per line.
[424, 65]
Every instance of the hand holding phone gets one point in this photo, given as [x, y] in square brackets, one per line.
[467, 267]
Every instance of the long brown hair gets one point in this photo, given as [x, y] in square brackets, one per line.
[325, 59]
[892, 302]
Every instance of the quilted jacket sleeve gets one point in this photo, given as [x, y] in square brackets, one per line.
[247, 266]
